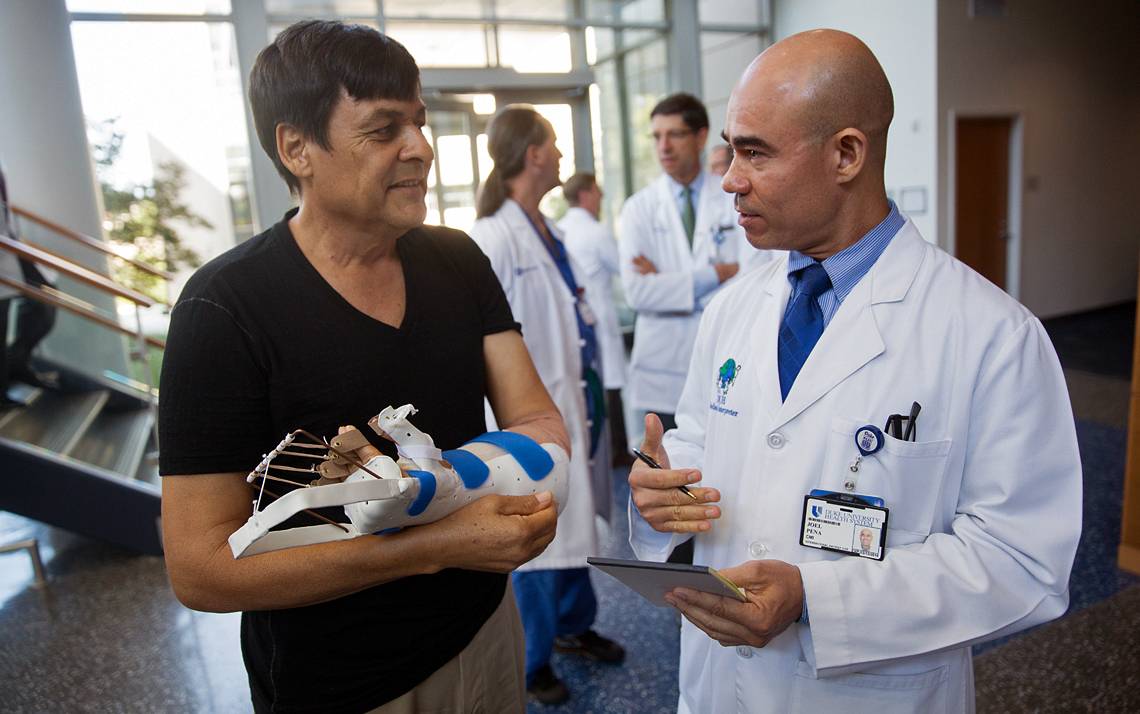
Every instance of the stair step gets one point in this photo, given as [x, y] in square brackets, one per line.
[55, 421]
[24, 393]
[116, 441]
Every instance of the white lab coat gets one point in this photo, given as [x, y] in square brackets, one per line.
[667, 314]
[544, 307]
[594, 250]
[985, 507]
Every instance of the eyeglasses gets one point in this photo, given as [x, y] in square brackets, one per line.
[672, 134]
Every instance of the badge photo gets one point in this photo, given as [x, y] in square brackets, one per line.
[844, 523]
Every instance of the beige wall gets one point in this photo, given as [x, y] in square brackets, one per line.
[1071, 72]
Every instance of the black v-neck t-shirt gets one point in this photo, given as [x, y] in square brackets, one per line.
[260, 345]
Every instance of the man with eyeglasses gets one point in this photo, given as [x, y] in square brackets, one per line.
[679, 241]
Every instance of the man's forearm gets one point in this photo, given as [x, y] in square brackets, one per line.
[545, 427]
[295, 577]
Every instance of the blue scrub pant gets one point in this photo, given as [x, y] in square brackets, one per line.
[552, 603]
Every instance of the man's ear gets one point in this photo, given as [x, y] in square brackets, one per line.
[293, 150]
[850, 154]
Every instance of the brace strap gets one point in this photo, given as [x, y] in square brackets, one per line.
[470, 467]
[427, 492]
[532, 457]
[415, 452]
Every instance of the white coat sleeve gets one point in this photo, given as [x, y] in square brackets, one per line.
[1004, 565]
[608, 251]
[685, 445]
[667, 291]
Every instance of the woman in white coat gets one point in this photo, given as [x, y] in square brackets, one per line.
[555, 598]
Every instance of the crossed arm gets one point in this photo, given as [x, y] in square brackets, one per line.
[495, 533]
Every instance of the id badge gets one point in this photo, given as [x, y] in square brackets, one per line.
[845, 523]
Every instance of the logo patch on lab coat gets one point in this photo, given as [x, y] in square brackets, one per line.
[725, 378]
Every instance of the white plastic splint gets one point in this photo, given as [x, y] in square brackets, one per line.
[424, 486]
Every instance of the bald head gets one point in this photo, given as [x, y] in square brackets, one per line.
[808, 125]
[830, 79]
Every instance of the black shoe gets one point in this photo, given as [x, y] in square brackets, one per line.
[547, 688]
[590, 644]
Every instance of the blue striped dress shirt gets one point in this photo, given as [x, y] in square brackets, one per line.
[847, 267]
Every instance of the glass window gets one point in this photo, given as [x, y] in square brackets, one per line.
[180, 116]
[153, 7]
[608, 153]
[626, 11]
[455, 160]
[534, 9]
[534, 49]
[435, 8]
[451, 198]
[442, 45]
[599, 44]
[724, 55]
[485, 162]
[641, 11]
[321, 8]
[275, 28]
[719, 12]
[647, 82]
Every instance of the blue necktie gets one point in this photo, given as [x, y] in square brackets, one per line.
[803, 324]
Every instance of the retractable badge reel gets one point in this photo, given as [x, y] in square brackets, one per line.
[868, 439]
[848, 523]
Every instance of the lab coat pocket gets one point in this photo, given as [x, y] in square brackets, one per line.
[879, 693]
[907, 475]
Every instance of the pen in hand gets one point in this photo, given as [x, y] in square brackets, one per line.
[652, 463]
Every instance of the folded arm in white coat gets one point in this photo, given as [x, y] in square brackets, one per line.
[1004, 566]
[664, 291]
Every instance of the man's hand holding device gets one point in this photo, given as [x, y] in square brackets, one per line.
[659, 494]
[774, 589]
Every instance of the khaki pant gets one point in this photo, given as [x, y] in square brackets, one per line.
[486, 677]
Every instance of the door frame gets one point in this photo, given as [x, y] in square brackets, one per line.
[1015, 190]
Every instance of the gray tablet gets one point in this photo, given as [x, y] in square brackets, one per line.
[653, 580]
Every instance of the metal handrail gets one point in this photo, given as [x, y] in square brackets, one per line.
[72, 270]
[61, 256]
[93, 243]
[74, 305]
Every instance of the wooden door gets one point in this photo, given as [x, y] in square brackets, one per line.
[982, 194]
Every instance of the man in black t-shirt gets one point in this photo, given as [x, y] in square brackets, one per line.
[346, 306]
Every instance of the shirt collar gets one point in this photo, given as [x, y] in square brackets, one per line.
[847, 267]
[678, 188]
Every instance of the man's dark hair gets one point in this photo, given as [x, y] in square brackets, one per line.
[297, 80]
[692, 111]
[576, 184]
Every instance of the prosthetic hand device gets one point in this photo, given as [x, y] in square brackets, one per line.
[422, 486]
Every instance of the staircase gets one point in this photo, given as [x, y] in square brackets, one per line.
[77, 458]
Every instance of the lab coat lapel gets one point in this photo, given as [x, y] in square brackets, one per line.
[667, 205]
[526, 238]
[764, 339]
[852, 338]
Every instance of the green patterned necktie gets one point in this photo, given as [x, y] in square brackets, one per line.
[688, 215]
